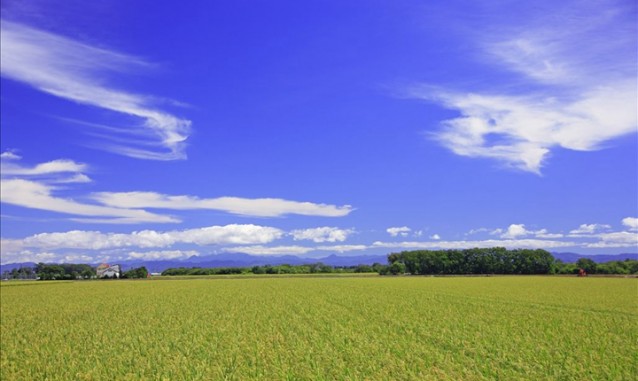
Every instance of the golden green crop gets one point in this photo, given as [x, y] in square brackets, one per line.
[371, 328]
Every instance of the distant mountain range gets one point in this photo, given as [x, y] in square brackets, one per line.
[246, 260]
[598, 258]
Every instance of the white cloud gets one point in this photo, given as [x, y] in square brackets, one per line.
[75, 258]
[264, 250]
[515, 230]
[569, 95]
[616, 239]
[260, 207]
[322, 234]
[28, 256]
[589, 229]
[402, 231]
[511, 244]
[342, 248]
[36, 195]
[630, 222]
[19, 188]
[55, 171]
[75, 71]
[544, 234]
[55, 166]
[479, 230]
[8, 155]
[435, 237]
[520, 131]
[162, 255]
[8, 245]
[212, 235]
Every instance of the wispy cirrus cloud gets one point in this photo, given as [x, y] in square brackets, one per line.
[57, 171]
[569, 93]
[258, 207]
[41, 196]
[37, 187]
[79, 72]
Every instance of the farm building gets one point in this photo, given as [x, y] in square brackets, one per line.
[109, 271]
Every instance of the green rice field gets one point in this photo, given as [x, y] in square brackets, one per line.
[333, 328]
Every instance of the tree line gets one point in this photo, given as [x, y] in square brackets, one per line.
[313, 268]
[66, 271]
[626, 267]
[497, 260]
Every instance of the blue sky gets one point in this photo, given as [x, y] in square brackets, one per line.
[147, 130]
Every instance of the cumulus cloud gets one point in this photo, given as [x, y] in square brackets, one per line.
[435, 237]
[515, 230]
[259, 207]
[569, 94]
[543, 233]
[28, 256]
[78, 72]
[162, 255]
[630, 222]
[322, 234]
[402, 231]
[589, 229]
[510, 244]
[272, 250]
[213, 235]
[342, 248]
[616, 239]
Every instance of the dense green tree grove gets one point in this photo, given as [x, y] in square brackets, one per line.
[65, 271]
[140, 272]
[497, 260]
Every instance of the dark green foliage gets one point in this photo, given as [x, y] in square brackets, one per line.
[313, 268]
[497, 260]
[565, 268]
[65, 271]
[628, 266]
[397, 268]
[587, 264]
[137, 273]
